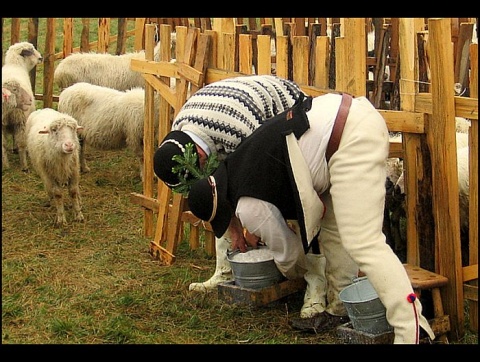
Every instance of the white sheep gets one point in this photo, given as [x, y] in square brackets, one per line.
[103, 69]
[53, 147]
[14, 96]
[20, 59]
[14, 99]
[111, 119]
[463, 178]
[463, 186]
[462, 125]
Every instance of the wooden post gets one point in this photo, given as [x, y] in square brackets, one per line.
[148, 134]
[300, 60]
[356, 52]
[103, 35]
[85, 39]
[322, 62]
[264, 54]
[67, 37]
[408, 89]
[282, 56]
[245, 60]
[49, 64]
[473, 177]
[441, 139]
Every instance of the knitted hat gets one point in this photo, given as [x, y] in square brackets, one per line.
[208, 200]
[173, 144]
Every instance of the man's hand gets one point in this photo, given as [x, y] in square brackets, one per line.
[236, 234]
[251, 239]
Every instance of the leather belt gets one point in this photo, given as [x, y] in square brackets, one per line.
[338, 126]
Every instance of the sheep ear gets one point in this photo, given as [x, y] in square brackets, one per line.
[26, 53]
[79, 129]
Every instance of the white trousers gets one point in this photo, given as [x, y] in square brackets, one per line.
[357, 178]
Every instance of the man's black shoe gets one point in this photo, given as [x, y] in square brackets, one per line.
[319, 323]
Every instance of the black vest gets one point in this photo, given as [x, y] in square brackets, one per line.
[260, 166]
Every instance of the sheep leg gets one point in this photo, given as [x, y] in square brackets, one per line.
[5, 163]
[55, 193]
[83, 162]
[76, 199]
[19, 137]
[141, 167]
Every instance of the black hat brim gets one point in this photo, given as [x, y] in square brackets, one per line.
[200, 201]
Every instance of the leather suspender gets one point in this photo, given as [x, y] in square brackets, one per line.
[338, 126]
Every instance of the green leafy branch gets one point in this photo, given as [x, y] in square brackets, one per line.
[187, 170]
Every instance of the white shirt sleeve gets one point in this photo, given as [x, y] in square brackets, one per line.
[264, 220]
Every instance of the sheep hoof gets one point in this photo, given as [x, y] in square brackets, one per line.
[60, 223]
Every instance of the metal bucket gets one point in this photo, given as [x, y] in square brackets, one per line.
[366, 311]
[253, 274]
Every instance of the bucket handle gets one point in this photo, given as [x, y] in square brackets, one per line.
[358, 279]
[230, 252]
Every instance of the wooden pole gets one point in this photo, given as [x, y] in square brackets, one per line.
[442, 142]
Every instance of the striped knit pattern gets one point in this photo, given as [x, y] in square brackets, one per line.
[226, 112]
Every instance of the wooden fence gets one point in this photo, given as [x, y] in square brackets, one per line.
[422, 105]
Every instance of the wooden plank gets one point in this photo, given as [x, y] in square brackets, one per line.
[322, 61]
[103, 35]
[264, 54]
[355, 61]
[407, 90]
[67, 37]
[210, 243]
[245, 53]
[228, 51]
[48, 65]
[234, 294]
[444, 171]
[462, 54]
[282, 56]
[396, 150]
[464, 106]
[160, 68]
[300, 59]
[424, 279]
[404, 121]
[167, 93]
[341, 81]
[470, 292]
[190, 74]
[473, 170]
[149, 135]
[160, 253]
[194, 237]
[144, 201]
[139, 33]
[278, 26]
[470, 272]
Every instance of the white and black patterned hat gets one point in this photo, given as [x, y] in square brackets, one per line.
[173, 144]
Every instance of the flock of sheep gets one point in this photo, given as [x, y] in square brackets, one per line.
[102, 105]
